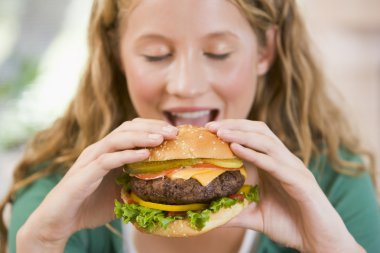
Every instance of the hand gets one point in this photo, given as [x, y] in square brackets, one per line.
[293, 210]
[84, 198]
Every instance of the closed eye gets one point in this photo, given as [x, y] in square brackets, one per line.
[151, 58]
[217, 56]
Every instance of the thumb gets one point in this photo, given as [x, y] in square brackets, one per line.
[249, 218]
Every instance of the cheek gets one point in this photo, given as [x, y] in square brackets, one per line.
[144, 89]
[236, 85]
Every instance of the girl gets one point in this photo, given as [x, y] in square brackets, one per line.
[243, 69]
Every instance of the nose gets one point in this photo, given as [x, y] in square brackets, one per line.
[187, 78]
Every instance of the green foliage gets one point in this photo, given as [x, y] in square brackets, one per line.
[27, 73]
[146, 218]
[15, 132]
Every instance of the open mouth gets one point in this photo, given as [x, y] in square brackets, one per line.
[195, 118]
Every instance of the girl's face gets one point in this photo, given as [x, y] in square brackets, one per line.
[190, 61]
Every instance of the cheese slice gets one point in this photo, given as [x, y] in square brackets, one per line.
[243, 172]
[206, 177]
[189, 172]
[203, 175]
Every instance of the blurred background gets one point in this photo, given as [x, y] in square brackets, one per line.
[43, 50]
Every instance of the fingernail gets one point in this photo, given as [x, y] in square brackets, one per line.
[224, 132]
[155, 136]
[212, 125]
[142, 151]
[170, 129]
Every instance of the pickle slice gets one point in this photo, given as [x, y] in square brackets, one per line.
[158, 166]
[225, 163]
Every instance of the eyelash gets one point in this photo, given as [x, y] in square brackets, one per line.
[219, 57]
[157, 58]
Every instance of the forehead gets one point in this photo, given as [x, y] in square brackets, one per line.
[184, 17]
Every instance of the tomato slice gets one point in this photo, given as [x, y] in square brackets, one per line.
[148, 176]
[170, 208]
[238, 196]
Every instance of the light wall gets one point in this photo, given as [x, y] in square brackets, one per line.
[347, 40]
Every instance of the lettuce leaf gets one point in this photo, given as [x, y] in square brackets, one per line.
[253, 194]
[198, 219]
[150, 219]
[123, 181]
[224, 202]
[144, 217]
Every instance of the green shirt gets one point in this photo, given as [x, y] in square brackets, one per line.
[353, 197]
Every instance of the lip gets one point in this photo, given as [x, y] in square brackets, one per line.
[188, 109]
[175, 114]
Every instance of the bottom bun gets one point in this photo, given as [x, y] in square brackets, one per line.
[182, 228]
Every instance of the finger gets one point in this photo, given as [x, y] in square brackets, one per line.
[129, 140]
[297, 181]
[116, 142]
[249, 218]
[149, 126]
[259, 142]
[88, 179]
[266, 144]
[242, 125]
[76, 186]
[106, 194]
[264, 162]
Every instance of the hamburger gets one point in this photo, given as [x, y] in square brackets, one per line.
[187, 186]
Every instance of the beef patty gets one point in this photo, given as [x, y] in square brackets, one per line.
[180, 191]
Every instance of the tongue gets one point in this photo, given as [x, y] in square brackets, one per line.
[199, 121]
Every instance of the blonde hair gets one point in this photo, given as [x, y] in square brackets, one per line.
[291, 98]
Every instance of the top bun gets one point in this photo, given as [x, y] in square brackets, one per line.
[192, 142]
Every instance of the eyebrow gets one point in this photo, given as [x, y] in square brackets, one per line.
[152, 36]
[209, 35]
[222, 34]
